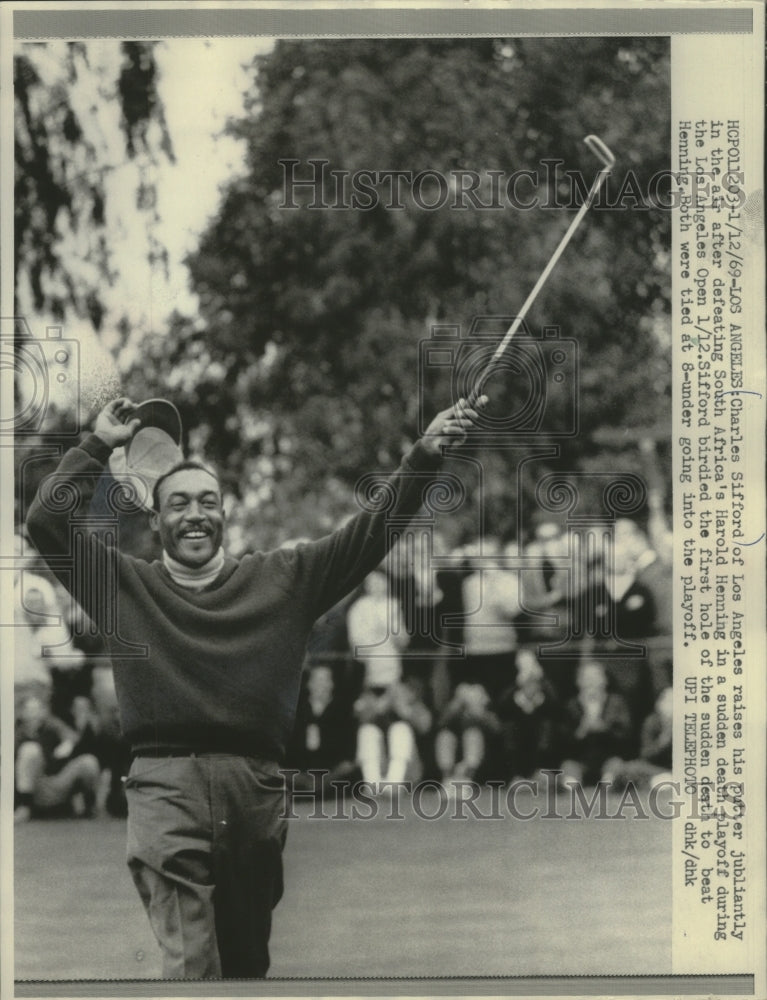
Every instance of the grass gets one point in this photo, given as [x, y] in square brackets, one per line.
[380, 897]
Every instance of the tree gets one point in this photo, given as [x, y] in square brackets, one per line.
[312, 318]
[89, 126]
[67, 146]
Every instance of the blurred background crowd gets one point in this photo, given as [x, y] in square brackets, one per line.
[450, 669]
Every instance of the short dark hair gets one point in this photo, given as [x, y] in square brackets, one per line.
[187, 463]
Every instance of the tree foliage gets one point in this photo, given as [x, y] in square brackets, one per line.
[65, 154]
[89, 125]
[303, 372]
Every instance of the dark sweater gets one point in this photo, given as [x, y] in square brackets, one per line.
[221, 667]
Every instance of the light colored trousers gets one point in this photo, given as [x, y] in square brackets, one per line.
[205, 840]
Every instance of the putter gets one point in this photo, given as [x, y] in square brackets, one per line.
[607, 159]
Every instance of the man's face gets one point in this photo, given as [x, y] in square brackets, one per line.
[190, 520]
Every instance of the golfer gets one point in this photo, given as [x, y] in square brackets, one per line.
[209, 706]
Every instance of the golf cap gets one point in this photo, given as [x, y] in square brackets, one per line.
[152, 451]
[159, 414]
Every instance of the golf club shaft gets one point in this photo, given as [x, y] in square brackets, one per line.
[597, 146]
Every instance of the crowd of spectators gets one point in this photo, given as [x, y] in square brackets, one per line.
[475, 670]
[451, 669]
[69, 754]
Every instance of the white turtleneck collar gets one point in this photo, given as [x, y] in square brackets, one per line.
[194, 578]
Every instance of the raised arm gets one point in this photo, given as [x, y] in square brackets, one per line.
[69, 490]
[334, 565]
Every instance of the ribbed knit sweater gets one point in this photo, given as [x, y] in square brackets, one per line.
[217, 669]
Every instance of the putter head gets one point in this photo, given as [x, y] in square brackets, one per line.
[601, 151]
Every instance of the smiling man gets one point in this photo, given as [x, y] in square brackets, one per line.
[209, 702]
[189, 517]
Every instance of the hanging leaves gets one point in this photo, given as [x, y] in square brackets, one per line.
[64, 156]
